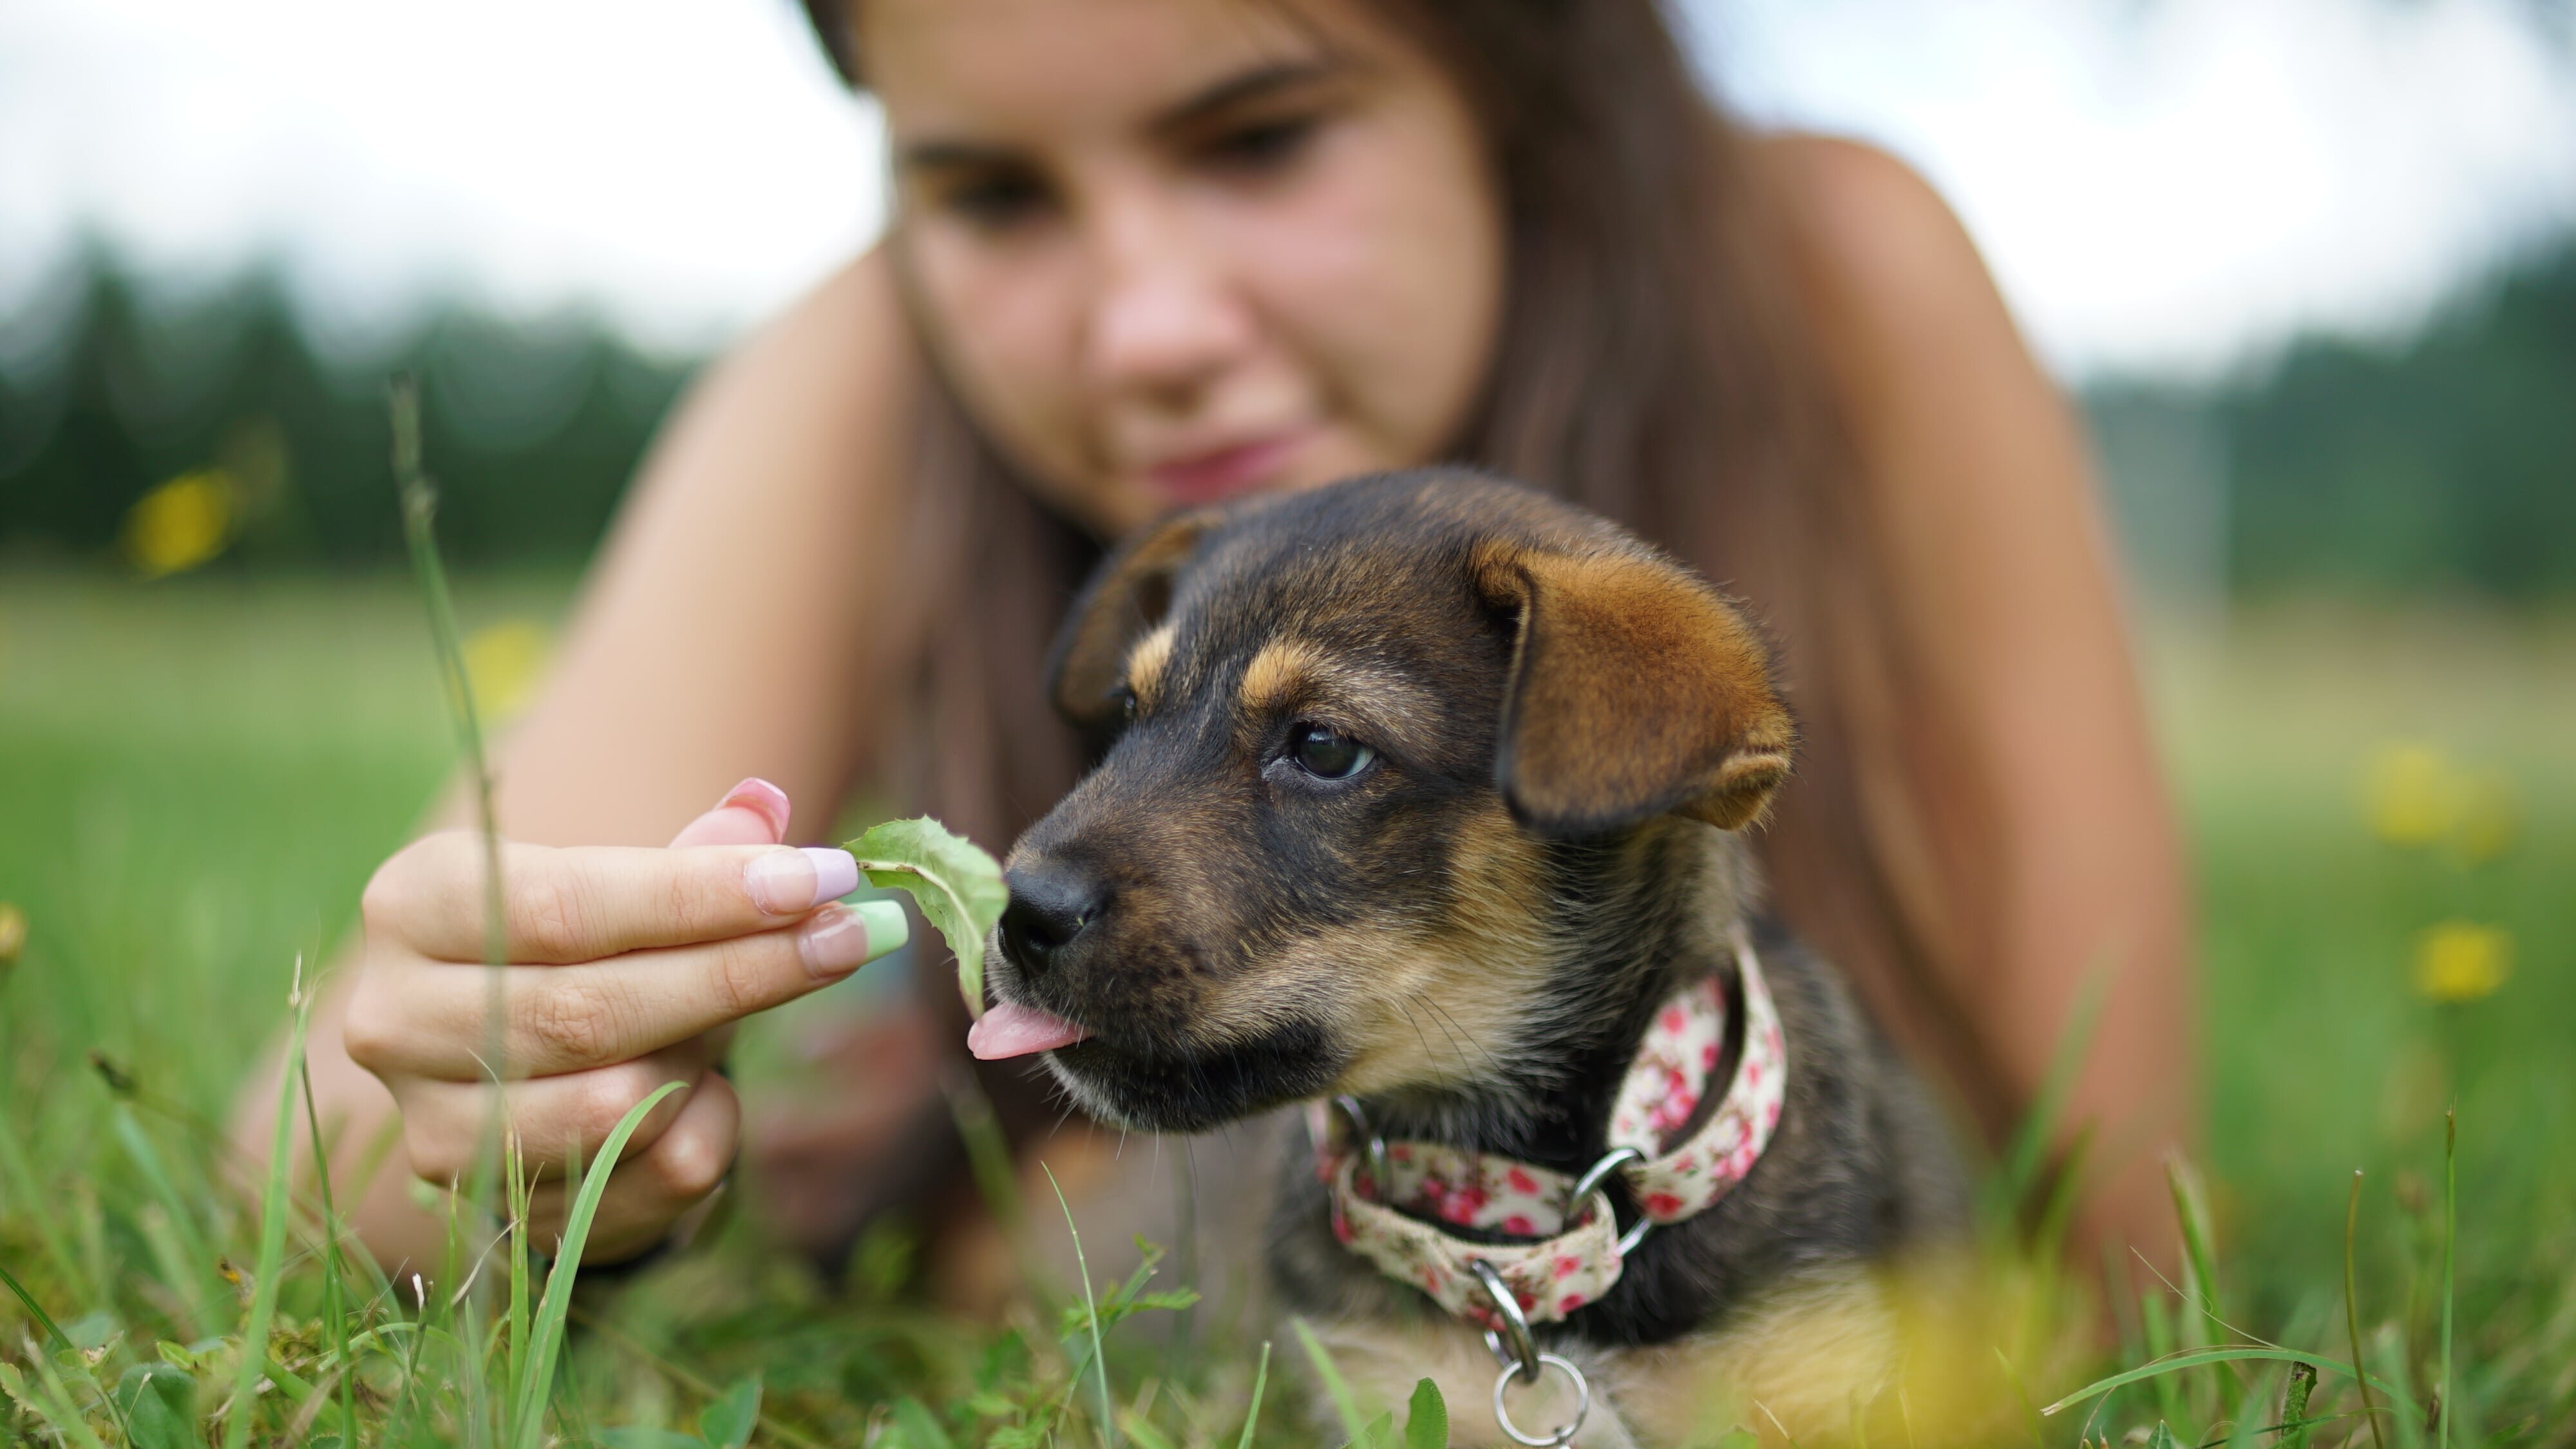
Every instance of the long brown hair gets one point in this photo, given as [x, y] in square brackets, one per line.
[1654, 364]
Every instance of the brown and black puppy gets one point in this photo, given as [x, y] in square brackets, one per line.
[1423, 788]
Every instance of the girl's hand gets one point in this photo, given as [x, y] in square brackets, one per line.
[628, 969]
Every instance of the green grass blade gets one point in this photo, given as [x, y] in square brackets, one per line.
[62, 1342]
[1345, 1403]
[2352, 1307]
[515, 1166]
[334, 1289]
[546, 1331]
[18, 1184]
[419, 511]
[2192, 1211]
[2450, 1244]
[1260, 1381]
[33, 1311]
[272, 1236]
[1090, 1311]
[196, 1255]
[2203, 1358]
[2012, 1184]
[58, 1409]
[2155, 1324]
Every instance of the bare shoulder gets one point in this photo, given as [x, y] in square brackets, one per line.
[1884, 263]
[849, 332]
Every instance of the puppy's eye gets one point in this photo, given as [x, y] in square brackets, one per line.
[1328, 754]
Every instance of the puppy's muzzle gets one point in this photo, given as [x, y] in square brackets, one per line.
[1052, 908]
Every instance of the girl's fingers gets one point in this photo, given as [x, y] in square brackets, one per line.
[650, 1191]
[583, 903]
[427, 1018]
[751, 813]
[557, 1120]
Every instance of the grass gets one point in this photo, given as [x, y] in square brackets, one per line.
[197, 775]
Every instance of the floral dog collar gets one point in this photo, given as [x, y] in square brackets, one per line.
[1559, 1248]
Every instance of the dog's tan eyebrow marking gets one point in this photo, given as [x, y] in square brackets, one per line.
[1276, 672]
[1297, 672]
[1146, 661]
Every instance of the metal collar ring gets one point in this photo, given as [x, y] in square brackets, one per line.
[1563, 1434]
[1515, 1336]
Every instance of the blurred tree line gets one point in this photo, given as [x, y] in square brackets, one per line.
[532, 428]
[2441, 462]
[2444, 462]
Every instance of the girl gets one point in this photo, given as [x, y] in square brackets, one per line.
[1147, 253]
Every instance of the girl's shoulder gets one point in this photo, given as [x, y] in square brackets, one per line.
[853, 321]
[1875, 246]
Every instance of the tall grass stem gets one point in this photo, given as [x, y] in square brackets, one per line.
[272, 1235]
[1090, 1312]
[2352, 1308]
[2450, 1245]
[546, 1330]
[334, 1291]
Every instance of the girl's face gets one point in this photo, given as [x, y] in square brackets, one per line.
[1170, 251]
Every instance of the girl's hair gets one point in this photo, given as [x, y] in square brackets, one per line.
[1654, 364]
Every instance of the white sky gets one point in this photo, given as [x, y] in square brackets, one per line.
[2168, 186]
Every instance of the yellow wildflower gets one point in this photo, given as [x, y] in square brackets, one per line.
[182, 523]
[2462, 961]
[2488, 819]
[13, 934]
[504, 662]
[2411, 793]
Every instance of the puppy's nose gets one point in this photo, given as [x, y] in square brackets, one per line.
[1049, 908]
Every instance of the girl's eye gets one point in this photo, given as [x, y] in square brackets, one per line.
[1328, 754]
[1262, 146]
[996, 203]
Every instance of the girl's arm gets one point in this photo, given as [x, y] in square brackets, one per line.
[1987, 524]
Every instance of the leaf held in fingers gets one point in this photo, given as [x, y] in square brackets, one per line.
[958, 887]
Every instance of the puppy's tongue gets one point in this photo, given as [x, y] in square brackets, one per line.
[1009, 1029]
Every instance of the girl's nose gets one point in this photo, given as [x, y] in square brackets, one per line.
[1164, 321]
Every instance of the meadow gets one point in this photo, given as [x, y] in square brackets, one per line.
[197, 774]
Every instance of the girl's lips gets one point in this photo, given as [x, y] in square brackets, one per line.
[1223, 472]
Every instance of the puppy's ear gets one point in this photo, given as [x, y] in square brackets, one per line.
[1127, 596]
[1635, 690]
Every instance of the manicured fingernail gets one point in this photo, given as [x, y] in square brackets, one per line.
[840, 939]
[761, 798]
[783, 882]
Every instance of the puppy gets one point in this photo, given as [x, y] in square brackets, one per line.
[1421, 796]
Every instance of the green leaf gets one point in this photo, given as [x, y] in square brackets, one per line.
[920, 1427]
[1379, 1434]
[958, 887]
[727, 1423]
[1426, 1419]
[154, 1424]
